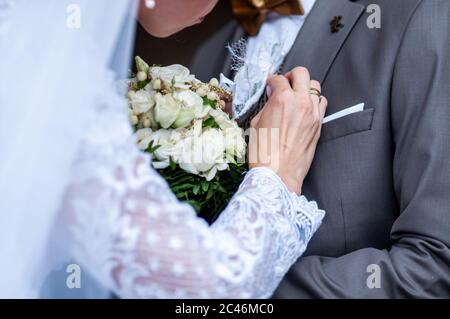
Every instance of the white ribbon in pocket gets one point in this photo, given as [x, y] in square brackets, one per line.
[344, 112]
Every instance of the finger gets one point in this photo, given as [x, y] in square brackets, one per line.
[315, 85]
[300, 79]
[323, 107]
[322, 110]
[277, 83]
[268, 91]
[315, 99]
[255, 120]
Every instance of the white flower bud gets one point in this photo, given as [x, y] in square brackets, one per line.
[222, 104]
[141, 65]
[141, 76]
[134, 119]
[202, 91]
[156, 84]
[214, 82]
[147, 123]
[212, 96]
[131, 94]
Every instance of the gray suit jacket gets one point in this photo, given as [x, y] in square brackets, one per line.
[383, 174]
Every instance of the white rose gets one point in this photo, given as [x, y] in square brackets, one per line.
[191, 107]
[143, 138]
[173, 75]
[142, 101]
[162, 139]
[202, 155]
[213, 171]
[166, 109]
[222, 119]
[188, 98]
[149, 88]
[213, 144]
[184, 152]
[235, 144]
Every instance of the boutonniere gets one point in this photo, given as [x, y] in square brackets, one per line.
[336, 24]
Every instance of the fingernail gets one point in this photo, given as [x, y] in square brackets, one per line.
[268, 91]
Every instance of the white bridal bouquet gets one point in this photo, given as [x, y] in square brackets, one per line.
[194, 144]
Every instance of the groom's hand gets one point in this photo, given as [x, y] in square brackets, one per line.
[285, 133]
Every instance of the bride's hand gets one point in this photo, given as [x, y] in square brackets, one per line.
[285, 133]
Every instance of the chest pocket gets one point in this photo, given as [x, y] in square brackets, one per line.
[347, 125]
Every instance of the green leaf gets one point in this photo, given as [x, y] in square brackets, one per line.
[211, 103]
[221, 189]
[149, 147]
[184, 187]
[184, 179]
[207, 198]
[210, 122]
[196, 189]
[173, 165]
[197, 206]
[210, 194]
[142, 84]
[205, 186]
[152, 148]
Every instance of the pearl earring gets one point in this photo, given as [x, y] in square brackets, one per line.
[150, 4]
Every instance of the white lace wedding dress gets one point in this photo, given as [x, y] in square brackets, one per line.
[118, 218]
[134, 236]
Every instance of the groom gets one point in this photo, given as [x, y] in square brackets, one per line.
[382, 173]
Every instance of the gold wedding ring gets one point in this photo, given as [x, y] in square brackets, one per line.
[314, 91]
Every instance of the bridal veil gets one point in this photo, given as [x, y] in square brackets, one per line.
[54, 56]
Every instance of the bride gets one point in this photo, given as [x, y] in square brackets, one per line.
[74, 186]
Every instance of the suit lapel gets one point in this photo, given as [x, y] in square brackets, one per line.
[316, 47]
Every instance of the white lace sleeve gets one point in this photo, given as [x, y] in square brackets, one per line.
[135, 237]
